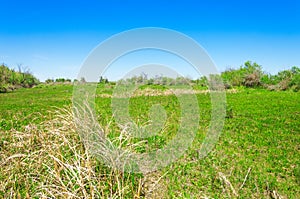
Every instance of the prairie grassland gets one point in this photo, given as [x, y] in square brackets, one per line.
[42, 156]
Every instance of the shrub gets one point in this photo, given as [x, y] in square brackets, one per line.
[62, 80]
[295, 82]
[215, 83]
[48, 81]
[252, 80]
[248, 75]
[10, 79]
[202, 81]
[284, 84]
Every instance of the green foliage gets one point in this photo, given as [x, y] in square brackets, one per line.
[48, 81]
[295, 83]
[10, 79]
[157, 80]
[248, 75]
[202, 81]
[103, 80]
[62, 80]
[284, 80]
[233, 77]
[251, 75]
[268, 79]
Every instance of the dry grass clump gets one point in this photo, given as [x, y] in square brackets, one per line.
[50, 161]
[156, 92]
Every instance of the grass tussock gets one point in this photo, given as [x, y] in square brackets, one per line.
[50, 161]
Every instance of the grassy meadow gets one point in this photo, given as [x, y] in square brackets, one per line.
[257, 155]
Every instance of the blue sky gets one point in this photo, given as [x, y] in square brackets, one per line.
[53, 38]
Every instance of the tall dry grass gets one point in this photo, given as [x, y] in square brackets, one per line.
[50, 161]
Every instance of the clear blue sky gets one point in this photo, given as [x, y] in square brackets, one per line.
[54, 37]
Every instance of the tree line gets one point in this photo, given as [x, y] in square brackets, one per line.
[250, 75]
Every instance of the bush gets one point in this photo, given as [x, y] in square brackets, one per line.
[252, 80]
[215, 83]
[248, 75]
[284, 84]
[48, 81]
[62, 80]
[295, 82]
[233, 77]
[10, 79]
[251, 75]
[203, 82]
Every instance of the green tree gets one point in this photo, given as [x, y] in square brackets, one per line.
[248, 75]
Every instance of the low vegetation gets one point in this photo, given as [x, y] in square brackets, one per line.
[11, 79]
[42, 156]
[249, 75]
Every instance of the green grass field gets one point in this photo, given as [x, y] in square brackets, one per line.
[257, 155]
